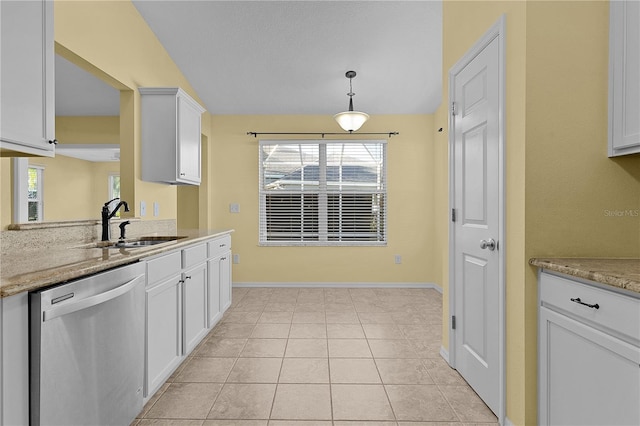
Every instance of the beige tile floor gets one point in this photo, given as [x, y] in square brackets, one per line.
[314, 356]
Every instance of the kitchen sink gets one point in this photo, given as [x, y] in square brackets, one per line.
[141, 242]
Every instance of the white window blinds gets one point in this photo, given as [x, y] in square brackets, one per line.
[323, 193]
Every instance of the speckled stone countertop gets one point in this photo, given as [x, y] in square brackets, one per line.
[620, 273]
[30, 270]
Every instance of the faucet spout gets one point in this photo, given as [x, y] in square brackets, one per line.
[107, 215]
[120, 204]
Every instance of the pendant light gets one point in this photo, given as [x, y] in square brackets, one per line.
[351, 120]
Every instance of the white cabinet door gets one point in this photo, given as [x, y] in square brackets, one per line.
[164, 332]
[225, 281]
[624, 77]
[195, 306]
[214, 311]
[189, 131]
[27, 111]
[220, 278]
[586, 377]
[14, 332]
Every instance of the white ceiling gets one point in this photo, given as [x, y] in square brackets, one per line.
[79, 93]
[287, 57]
[290, 57]
[90, 152]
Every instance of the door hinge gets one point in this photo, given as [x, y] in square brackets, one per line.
[453, 322]
[454, 109]
[453, 215]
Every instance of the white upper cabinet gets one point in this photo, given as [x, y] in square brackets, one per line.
[624, 78]
[27, 107]
[170, 136]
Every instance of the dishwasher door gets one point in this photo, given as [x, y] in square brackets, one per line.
[87, 350]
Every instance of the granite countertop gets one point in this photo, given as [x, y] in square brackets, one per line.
[620, 273]
[30, 270]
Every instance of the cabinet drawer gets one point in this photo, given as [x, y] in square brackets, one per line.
[615, 311]
[219, 246]
[193, 255]
[163, 266]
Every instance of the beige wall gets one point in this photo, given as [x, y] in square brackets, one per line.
[559, 181]
[411, 224]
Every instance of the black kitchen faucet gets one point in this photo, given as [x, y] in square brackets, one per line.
[106, 215]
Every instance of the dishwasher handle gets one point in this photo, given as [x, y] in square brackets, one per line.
[90, 301]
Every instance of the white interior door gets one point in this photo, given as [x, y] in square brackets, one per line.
[477, 231]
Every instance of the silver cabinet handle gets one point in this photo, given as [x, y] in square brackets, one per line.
[488, 244]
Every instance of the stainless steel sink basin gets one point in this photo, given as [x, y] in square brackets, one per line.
[135, 244]
[141, 242]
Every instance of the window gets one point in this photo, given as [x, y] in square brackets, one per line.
[35, 204]
[114, 189]
[323, 193]
[114, 186]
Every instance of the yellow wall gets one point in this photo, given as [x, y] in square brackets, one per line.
[112, 40]
[73, 188]
[559, 181]
[88, 130]
[234, 176]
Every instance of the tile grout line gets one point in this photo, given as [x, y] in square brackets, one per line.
[326, 329]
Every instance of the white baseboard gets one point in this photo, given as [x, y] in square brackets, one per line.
[337, 285]
[444, 354]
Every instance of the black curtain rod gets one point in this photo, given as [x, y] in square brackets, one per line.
[255, 134]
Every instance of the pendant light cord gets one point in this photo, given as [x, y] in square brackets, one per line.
[350, 94]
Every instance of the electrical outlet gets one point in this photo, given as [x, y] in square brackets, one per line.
[234, 208]
[156, 208]
[143, 208]
[236, 258]
[398, 259]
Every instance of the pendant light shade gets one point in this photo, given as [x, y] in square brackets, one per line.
[351, 120]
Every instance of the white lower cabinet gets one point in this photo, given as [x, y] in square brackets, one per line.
[219, 286]
[589, 354]
[188, 290]
[14, 333]
[164, 332]
[219, 277]
[225, 281]
[214, 309]
[195, 306]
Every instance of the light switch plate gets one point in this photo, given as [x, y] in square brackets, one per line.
[234, 208]
[156, 208]
[143, 208]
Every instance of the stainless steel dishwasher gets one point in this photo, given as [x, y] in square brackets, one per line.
[87, 349]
